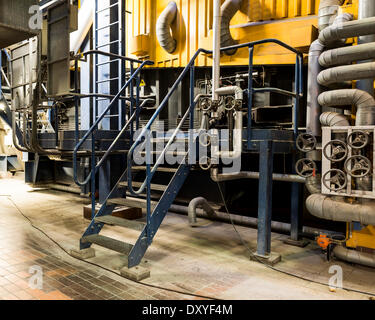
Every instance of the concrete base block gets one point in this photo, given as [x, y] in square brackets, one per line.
[296, 243]
[137, 273]
[83, 254]
[270, 260]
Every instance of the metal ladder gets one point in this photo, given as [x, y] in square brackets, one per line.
[109, 72]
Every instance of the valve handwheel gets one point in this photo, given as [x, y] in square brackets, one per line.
[358, 166]
[206, 104]
[358, 139]
[305, 168]
[306, 142]
[339, 151]
[335, 180]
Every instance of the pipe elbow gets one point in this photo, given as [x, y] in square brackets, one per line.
[333, 119]
[228, 10]
[163, 27]
[192, 210]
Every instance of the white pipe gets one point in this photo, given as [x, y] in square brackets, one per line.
[85, 21]
[216, 50]
[237, 142]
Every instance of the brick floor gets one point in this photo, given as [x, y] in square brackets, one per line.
[208, 261]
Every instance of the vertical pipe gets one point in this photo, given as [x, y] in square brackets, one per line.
[366, 9]
[250, 97]
[137, 104]
[265, 198]
[216, 50]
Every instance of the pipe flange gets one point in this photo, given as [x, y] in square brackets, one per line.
[358, 139]
[306, 168]
[206, 104]
[306, 142]
[358, 166]
[335, 180]
[205, 139]
[339, 151]
[205, 163]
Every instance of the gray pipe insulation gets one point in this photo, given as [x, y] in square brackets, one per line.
[209, 213]
[346, 30]
[163, 27]
[354, 256]
[333, 119]
[326, 208]
[328, 10]
[228, 10]
[346, 55]
[363, 101]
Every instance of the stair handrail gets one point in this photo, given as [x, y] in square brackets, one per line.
[94, 127]
[190, 65]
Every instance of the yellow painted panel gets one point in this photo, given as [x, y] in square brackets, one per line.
[363, 239]
[291, 21]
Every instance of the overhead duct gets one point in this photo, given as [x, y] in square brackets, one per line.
[163, 27]
[228, 11]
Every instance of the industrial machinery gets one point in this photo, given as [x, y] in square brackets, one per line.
[145, 104]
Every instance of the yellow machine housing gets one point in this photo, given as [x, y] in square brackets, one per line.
[291, 21]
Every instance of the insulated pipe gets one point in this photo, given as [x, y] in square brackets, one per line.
[215, 176]
[347, 55]
[248, 221]
[237, 142]
[366, 9]
[237, 91]
[193, 205]
[324, 207]
[163, 27]
[314, 184]
[363, 101]
[216, 50]
[313, 108]
[333, 119]
[327, 12]
[354, 256]
[347, 30]
[228, 10]
[347, 73]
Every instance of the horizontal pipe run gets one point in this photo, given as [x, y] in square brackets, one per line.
[279, 227]
[254, 175]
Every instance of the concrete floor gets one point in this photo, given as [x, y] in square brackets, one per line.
[208, 261]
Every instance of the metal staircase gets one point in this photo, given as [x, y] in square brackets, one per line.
[155, 211]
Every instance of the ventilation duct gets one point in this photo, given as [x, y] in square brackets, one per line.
[228, 10]
[163, 28]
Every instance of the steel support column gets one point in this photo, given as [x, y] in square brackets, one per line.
[265, 198]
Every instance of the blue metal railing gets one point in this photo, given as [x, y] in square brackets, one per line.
[190, 67]
[94, 127]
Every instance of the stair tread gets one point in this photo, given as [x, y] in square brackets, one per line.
[109, 243]
[121, 222]
[136, 184]
[132, 203]
[161, 169]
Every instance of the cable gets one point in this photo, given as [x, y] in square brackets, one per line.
[104, 268]
[252, 255]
